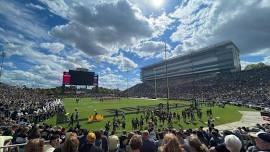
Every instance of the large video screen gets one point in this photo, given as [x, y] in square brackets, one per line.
[81, 77]
[74, 77]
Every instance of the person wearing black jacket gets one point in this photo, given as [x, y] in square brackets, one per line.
[123, 141]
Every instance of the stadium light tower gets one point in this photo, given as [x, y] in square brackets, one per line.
[166, 67]
[194, 102]
[2, 61]
[127, 82]
[193, 77]
[155, 83]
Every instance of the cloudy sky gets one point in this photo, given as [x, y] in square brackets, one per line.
[115, 38]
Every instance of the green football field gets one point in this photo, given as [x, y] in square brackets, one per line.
[86, 107]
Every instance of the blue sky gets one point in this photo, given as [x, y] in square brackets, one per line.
[115, 38]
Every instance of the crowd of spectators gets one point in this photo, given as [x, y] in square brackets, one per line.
[245, 87]
[45, 138]
[20, 105]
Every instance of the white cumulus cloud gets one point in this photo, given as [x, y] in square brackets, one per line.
[150, 49]
[99, 30]
[123, 63]
[55, 47]
[207, 22]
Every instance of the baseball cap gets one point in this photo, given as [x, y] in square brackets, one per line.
[265, 137]
[91, 137]
[255, 134]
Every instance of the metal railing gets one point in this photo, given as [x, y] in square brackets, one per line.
[16, 147]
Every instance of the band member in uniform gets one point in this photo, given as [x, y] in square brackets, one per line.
[116, 113]
[71, 120]
[168, 106]
[123, 124]
[123, 115]
[76, 115]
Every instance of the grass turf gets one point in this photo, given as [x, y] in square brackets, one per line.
[86, 107]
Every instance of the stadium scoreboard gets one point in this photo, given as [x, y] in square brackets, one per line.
[75, 77]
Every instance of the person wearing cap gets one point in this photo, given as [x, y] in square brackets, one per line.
[89, 146]
[262, 143]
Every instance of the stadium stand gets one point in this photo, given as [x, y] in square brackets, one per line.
[220, 57]
[249, 87]
[23, 105]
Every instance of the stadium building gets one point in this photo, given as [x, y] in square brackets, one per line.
[221, 57]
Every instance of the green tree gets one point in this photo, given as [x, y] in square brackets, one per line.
[255, 66]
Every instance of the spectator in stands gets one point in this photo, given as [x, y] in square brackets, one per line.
[90, 146]
[233, 143]
[54, 143]
[130, 135]
[160, 136]
[183, 141]
[34, 133]
[262, 143]
[123, 141]
[135, 143]
[71, 144]
[35, 145]
[83, 139]
[148, 143]
[101, 140]
[113, 141]
[170, 144]
[21, 135]
[215, 139]
[152, 133]
[196, 145]
[222, 147]
[202, 138]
